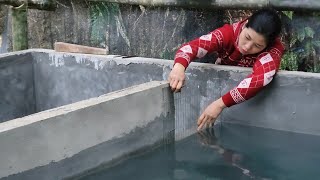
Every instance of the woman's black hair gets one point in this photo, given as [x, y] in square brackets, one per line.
[267, 23]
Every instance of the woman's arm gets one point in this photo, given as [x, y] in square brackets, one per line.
[204, 45]
[197, 48]
[263, 72]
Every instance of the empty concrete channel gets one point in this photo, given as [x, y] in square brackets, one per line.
[58, 107]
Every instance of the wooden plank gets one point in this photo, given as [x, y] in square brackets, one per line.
[74, 48]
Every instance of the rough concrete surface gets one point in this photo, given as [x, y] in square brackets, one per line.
[57, 134]
[282, 105]
[16, 86]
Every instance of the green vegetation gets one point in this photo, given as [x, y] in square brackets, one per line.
[303, 42]
[99, 15]
[19, 28]
[301, 36]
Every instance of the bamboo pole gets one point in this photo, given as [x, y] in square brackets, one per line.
[19, 28]
[20, 21]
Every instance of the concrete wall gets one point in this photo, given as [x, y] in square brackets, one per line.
[16, 86]
[90, 76]
[64, 78]
[290, 103]
[83, 135]
[282, 105]
[293, 97]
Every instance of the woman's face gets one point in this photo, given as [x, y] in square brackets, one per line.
[251, 42]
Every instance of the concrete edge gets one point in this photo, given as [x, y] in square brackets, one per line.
[143, 114]
[19, 122]
[119, 59]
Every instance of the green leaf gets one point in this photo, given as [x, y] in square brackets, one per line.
[289, 14]
[289, 61]
[309, 49]
[301, 35]
[309, 31]
[293, 40]
[99, 17]
[302, 56]
[316, 43]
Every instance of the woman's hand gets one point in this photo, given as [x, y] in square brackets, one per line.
[210, 114]
[177, 77]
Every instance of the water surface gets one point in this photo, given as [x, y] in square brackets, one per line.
[227, 152]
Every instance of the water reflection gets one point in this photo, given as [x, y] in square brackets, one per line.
[231, 157]
[226, 152]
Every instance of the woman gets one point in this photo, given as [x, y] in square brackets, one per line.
[253, 42]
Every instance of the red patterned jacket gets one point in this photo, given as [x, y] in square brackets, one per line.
[224, 42]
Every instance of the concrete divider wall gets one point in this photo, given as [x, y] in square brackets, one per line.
[16, 86]
[119, 123]
[63, 78]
